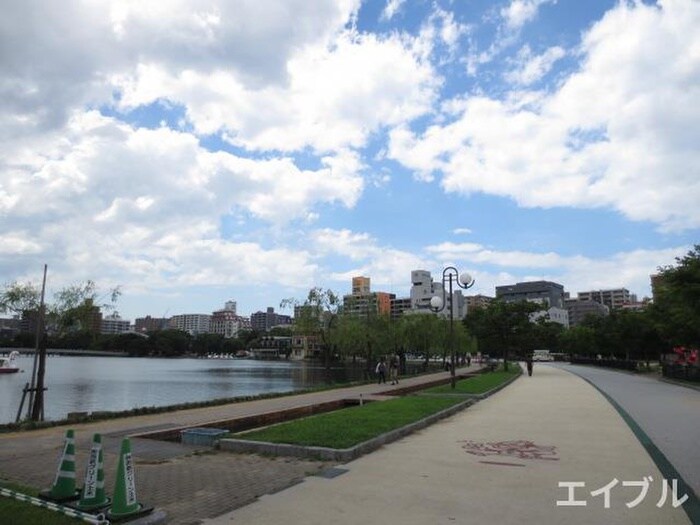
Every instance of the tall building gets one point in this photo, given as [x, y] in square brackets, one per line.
[360, 285]
[477, 301]
[613, 299]
[546, 293]
[580, 309]
[113, 324]
[265, 321]
[423, 289]
[193, 324]
[399, 306]
[225, 321]
[150, 324]
[363, 301]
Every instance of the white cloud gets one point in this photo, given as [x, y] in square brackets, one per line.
[461, 231]
[520, 12]
[145, 205]
[334, 98]
[621, 132]
[531, 68]
[392, 7]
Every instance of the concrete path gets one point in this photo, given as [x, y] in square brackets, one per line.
[189, 483]
[667, 413]
[499, 462]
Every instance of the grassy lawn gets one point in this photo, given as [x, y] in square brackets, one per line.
[351, 426]
[13, 512]
[478, 384]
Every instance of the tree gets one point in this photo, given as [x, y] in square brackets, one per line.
[315, 317]
[676, 309]
[503, 327]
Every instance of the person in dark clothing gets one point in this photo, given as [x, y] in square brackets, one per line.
[381, 371]
[528, 362]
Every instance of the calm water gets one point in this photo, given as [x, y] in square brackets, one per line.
[87, 384]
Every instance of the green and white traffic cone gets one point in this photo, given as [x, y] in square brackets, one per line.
[124, 504]
[93, 495]
[63, 488]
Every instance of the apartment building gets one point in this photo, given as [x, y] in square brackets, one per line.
[613, 299]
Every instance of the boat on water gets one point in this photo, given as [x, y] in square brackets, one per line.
[7, 364]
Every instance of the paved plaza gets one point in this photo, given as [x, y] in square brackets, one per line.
[501, 460]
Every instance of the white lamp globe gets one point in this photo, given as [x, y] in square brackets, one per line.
[465, 279]
[436, 302]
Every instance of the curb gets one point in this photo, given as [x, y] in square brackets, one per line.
[348, 454]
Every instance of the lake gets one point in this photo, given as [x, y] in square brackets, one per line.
[88, 384]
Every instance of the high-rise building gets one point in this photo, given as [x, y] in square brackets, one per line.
[613, 299]
[363, 301]
[150, 324]
[263, 322]
[226, 322]
[423, 289]
[193, 324]
[113, 324]
[360, 285]
[546, 293]
[580, 309]
[477, 301]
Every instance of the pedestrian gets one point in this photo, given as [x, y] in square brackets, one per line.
[528, 362]
[381, 371]
[394, 369]
[469, 360]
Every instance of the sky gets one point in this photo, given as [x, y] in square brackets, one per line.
[195, 152]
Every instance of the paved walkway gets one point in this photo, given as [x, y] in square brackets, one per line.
[188, 483]
[667, 413]
[500, 461]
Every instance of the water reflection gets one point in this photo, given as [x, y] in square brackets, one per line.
[88, 384]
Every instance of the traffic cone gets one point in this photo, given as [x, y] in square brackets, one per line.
[124, 504]
[63, 488]
[93, 495]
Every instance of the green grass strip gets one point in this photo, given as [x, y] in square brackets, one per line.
[351, 426]
[477, 384]
[15, 512]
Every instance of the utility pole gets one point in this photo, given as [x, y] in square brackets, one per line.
[36, 399]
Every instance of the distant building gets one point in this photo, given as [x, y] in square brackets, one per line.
[423, 289]
[543, 292]
[360, 286]
[613, 299]
[150, 324]
[193, 324]
[113, 324]
[579, 309]
[225, 322]
[399, 306]
[263, 322]
[9, 327]
[362, 301]
[548, 294]
[477, 301]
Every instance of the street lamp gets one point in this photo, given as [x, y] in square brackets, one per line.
[437, 304]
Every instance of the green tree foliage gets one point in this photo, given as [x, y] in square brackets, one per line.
[316, 317]
[504, 328]
[676, 310]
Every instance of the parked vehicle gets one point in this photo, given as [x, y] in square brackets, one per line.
[542, 355]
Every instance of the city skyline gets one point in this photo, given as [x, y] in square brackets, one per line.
[194, 152]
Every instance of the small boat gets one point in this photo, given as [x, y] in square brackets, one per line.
[7, 364]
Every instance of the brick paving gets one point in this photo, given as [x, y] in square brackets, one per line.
[188, 483]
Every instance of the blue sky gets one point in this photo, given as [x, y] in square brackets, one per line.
[193, 152]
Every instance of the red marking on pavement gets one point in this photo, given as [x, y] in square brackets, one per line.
[520, 449]
[500, 463]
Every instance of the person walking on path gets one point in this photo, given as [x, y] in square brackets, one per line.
[528, 362]
[381, 371]
[394, 369]
[469, 359]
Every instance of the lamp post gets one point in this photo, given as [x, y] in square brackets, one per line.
[437, 304]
